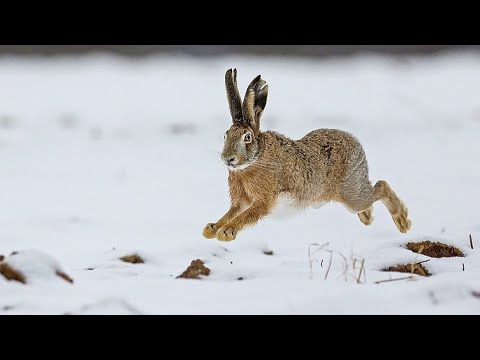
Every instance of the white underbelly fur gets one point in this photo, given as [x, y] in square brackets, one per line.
[286, 207]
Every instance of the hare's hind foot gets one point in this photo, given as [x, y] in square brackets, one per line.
[366, 217]
[395, 206]
[210, 231]
[403, 222]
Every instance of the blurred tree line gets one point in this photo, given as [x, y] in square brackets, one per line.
[213, 50]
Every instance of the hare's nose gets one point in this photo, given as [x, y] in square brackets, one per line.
[232, 160]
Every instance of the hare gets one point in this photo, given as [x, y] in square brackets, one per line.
[325, 166]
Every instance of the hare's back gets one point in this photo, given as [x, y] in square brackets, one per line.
[335, 143]
[341, 155]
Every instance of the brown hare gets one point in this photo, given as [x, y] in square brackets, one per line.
[326, 165]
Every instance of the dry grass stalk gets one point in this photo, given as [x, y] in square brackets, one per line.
[64, 276]
[350, 268]
[392, 280]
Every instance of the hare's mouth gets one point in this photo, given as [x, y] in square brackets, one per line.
[238, 167]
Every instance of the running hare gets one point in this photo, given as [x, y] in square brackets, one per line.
[326, 165]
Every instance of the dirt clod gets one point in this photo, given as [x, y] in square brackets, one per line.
[417, 269]
[133, 259]
[195, 270]
[11, 274]
[268, 252]
[434, 250]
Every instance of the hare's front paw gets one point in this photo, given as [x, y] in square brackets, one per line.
[210, 231]
[227, 233]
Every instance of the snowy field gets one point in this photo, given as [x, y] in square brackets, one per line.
[102, 157]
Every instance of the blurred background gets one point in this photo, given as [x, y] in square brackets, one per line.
[210, 50]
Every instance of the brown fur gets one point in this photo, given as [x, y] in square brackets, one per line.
[326, 165]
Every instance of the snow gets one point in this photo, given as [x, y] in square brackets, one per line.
[35, 265]
[102, 157]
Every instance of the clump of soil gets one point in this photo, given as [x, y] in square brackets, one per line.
[434, 250]
[11, 274]
[133, 259]
[195, 270]
[64, 276]
[417, 269]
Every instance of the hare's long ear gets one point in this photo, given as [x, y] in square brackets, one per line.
[233, 96]
[255, 102]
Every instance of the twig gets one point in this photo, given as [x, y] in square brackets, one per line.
[345, 266]
[471, 241]
[310, 254]
[329, 265]
[422, 262]
[362, 268]
[310, 263]
[321, 264]
[392, 280]
[463, 266]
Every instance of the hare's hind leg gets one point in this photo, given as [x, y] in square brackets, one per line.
[383, 192]
[360, 198]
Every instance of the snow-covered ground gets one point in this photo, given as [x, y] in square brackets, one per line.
[102, 157]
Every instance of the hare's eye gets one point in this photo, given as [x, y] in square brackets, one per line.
[247, 138]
